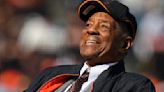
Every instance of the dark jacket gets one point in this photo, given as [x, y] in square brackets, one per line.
[115, 79]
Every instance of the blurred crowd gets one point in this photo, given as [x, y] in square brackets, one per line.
[36, 34]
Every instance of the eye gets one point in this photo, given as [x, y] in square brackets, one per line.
[104, 26]
[88, 24]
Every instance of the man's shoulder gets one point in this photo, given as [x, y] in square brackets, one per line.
[134, 78]
[55, 68]
[62, 69]
[132, 82]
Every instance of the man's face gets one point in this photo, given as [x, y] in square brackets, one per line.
[100, 39]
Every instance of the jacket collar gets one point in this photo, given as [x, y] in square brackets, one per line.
[110, 74]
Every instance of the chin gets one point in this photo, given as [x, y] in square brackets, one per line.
[88, 56]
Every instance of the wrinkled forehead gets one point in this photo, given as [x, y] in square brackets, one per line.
[101, 16]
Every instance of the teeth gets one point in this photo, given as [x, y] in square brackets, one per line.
[90, 41]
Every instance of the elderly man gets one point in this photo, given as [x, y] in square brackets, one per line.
[109, 33]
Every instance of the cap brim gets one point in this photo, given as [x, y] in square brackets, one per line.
[89, 7]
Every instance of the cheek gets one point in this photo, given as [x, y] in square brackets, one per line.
[82, 37]
[110, 41]
[106, 42]
[107, 45]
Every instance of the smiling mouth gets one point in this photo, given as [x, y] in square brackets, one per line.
[91, 42]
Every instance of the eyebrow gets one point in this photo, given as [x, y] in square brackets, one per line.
[105, 21]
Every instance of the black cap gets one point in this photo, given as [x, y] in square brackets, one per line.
[114, 8]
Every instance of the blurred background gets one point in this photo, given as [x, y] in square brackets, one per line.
[36, 34]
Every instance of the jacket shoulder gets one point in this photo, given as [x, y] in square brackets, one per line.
[134, 76]
[62, 69]
[136, 83]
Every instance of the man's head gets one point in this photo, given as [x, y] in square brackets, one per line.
[109, 32]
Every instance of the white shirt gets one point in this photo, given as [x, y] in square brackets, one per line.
[94, 72]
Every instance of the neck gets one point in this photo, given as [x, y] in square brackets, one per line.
[92, 63]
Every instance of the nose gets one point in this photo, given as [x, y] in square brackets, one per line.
[93, 30]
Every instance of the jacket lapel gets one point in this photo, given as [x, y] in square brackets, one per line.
[58, 76]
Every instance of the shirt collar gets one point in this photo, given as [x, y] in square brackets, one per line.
[95, 71]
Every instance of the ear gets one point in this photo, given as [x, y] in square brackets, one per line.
[128, 42]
